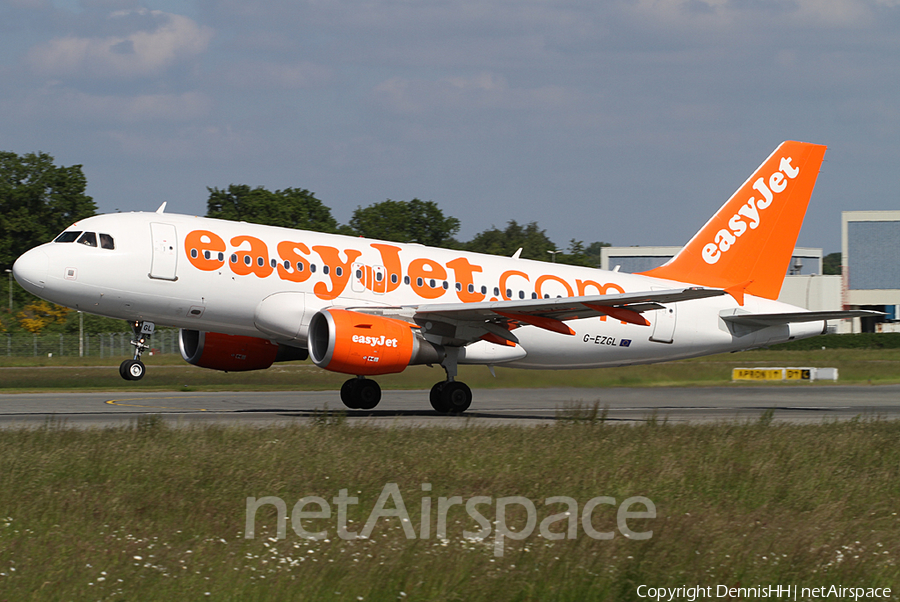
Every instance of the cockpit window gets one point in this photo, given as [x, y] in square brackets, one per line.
[88, 239]
[107, 242]
[68, 237]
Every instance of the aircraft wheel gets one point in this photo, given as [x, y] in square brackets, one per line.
[456, 396]
[437, 400]
[132, 369]
[368, 394]
[349, 393]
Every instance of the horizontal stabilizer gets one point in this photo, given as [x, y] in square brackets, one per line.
[763, 320]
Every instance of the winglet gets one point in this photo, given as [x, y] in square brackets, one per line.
[162, 208]
[752, 236]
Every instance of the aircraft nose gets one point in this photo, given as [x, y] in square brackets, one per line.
[30, 270]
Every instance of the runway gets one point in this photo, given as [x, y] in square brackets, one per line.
[792, 403]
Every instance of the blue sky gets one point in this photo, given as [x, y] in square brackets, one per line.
[623, 121]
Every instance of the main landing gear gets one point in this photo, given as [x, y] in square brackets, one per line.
[450, 396]
[360, 393]
[447, 397]
[134, 369]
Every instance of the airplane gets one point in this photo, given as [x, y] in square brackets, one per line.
[246, 295]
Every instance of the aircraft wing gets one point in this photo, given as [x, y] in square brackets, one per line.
[565, 308]
[763, 320]
[462, 323]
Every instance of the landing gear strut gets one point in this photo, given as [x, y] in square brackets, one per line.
[450, 396]
[134, 369]
[360, 393]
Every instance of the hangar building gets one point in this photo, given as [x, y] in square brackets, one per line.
[871, 273]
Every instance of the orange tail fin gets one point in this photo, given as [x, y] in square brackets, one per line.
[748, 243]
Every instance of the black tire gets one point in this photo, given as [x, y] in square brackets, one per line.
[457, 397]
[437, 400]
[132, 370]
[368, 394]
[349, 394]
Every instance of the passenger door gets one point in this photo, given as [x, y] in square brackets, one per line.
[165, 257]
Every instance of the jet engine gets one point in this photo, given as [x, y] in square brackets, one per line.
[346, 341]
[233, 353]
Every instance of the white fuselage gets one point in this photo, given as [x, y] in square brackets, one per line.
[232, 277]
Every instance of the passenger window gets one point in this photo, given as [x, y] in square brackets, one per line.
[107, 242]
[68, 237]
[88, 239]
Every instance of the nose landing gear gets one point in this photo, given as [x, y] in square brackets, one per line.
[134, 369]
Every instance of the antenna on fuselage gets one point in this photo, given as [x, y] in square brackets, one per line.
[162, 208]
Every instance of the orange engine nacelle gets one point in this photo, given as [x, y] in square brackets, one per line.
[233, 353]
[354, 343]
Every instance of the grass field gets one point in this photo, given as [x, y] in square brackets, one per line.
[150, 512]
[169, 372]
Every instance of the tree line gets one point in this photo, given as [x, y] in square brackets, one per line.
[414, 221]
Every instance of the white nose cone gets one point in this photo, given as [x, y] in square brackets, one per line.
[30, 270]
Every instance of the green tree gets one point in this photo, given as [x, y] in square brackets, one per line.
[578, 254]
[37, 201]
[289, 208]
[405, 221]
[531, 239]
[831, 264]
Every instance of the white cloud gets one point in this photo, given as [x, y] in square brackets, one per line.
[483, 91]
[715, 14]
[139, 54]
[80, 107]
[190, 143]
[28, 4]
[271, 75]
[840, 13]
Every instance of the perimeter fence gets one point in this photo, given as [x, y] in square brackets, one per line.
[104, 344]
